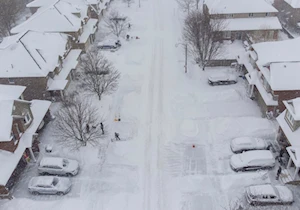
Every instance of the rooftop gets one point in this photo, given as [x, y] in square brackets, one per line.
[293, 137]
[30, 55]
[59, 17]
[238, 6]
[10, 92]
[251, 24]
[293, 3]
[293, 106]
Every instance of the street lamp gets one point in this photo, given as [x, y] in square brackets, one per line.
[186, 51]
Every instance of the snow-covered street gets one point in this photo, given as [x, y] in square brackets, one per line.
[176, 129]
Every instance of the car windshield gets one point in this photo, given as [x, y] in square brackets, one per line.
[65, 163]
[55, 181]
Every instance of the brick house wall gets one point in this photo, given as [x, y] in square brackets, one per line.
[244, 15]
[35, 86]
[284, 96]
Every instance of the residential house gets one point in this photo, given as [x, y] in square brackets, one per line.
[20, 122]
[273, 72]
[251, 20]
[43, 62]
[289, 11]
[63, 17]
[95, 8]
[289, 138]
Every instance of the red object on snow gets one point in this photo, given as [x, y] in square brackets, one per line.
[194, 146]
[137, 37]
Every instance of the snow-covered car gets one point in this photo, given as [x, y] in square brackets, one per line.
[241, 144]
[268, 194]
[49, 185]
[58, 166]
[110, 44]
[252, 160]
[222, 79]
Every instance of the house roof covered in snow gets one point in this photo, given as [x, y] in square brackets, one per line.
[294, 153]
[31, 54]
[251, 24]
[293, 3]
[43, 3]
[283, 76]
[10, 160]
[10, 92]
[238, 6]
[62, 16]
[279, 51]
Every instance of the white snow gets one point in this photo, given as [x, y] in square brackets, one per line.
[31, 54]
[89, 28]
[69, 63]
[189, 128]
[230, 50]
[252, 24]
[55, 18]
[294, 153]
[280, 51]
[155, 166]
[57, 85]
[239, 6]
[9, 92]
[293, 3]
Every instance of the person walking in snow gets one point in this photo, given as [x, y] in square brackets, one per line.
[87, 127]
[102, 128]
[117, 136]
[278, 173]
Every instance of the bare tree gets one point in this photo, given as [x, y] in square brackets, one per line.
[186, 5]
[100, 77]
[116, 23]
[77, 124]
[129, 2]
[203, 36]
[9, 12]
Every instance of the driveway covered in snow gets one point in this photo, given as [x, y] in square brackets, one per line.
[176, 129]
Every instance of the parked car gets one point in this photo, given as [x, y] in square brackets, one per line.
[58, 166]
[241, 144]
[111, 45]
[269, 194]
[49, 185]
[222, 79]
[252, 160]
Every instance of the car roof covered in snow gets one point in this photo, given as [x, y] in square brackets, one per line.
[238, 6]
[52, 161]
[108, 42]
[265, 189]
[41, 180]
[257, 154]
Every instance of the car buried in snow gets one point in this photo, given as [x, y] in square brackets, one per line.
[252, 160]
[268, 194]
[241, 144]
[49, 185]
[58, 166]
[222, 79]
[110, 45]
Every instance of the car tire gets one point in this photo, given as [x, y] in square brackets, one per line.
[45, 174]
[60, 193]
[69, 175]
[35, 193]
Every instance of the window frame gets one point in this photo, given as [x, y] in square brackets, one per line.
[27, 121]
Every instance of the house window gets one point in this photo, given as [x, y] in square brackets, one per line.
[27, 118]
[250, 14]
[229, 15]
[11, 81]
[289, 117]
[267, 14]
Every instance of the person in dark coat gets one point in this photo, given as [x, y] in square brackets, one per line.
[278, 173]
[117, 136]
[102, 127]
[87, 127]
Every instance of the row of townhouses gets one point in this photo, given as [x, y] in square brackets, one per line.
[38, 61]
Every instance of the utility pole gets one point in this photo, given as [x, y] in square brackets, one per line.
[186, 54]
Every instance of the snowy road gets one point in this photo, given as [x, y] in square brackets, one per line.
[177, 128]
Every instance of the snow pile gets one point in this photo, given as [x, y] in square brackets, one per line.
[189, 128]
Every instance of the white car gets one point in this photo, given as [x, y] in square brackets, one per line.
[58, 166]
[222, 79]
[248, 143]
[252, 160]
[49, 185]
[268, 194]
